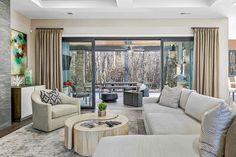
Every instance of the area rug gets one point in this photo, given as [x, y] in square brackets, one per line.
[29, 142]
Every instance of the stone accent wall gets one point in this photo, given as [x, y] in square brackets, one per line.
[5, 62]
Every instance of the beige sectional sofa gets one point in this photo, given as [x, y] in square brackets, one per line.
[173, 132]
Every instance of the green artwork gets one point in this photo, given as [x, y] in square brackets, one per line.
[18, 45]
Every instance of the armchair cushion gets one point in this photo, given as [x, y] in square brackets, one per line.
[63, 110]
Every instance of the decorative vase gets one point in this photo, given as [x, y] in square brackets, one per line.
[101, 113]
[28, 77]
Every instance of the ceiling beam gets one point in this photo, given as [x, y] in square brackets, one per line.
[124, 3]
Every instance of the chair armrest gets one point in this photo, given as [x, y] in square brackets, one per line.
[42, 113]
[69, 100]
[147, 100]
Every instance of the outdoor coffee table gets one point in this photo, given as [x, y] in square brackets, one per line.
[109, 96]
[83, 139]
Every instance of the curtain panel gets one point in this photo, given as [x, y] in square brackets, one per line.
[206, 61]
[48, 57]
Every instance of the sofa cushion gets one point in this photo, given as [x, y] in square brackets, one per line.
[148, 146]
[215, 124]
[184, 97]
[164, 123]
[230, 145]
[198, 104]
[170, 96]
[156, 108]
[150, 99]
[63, 110]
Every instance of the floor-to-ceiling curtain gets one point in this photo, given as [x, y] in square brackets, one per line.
[206, 61]
[48, 57]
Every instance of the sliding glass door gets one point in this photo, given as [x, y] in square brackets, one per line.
[77, 71]
[128, 61]
[88, 63]
[177, 63]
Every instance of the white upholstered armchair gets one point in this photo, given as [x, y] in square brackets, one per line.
[47, 117]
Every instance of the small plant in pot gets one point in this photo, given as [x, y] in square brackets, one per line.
[102, 109]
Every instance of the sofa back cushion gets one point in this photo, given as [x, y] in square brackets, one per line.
[230, 144]
[214, 127]
[184, 97]
[198, 104]
[170, 97]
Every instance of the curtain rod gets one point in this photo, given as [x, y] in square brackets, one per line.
[49, 28]
[206, 27]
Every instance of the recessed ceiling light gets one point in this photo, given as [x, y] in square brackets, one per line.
[69, 13]
[185, 13]
[234, 3]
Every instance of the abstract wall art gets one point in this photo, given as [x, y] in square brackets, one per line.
[18, 43]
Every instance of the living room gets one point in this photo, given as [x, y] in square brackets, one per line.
[75, 72]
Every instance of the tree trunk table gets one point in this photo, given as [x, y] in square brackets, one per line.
[86, 139]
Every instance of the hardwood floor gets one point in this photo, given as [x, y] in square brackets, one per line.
[14, 127]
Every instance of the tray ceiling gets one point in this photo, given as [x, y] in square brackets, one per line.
[124, 9]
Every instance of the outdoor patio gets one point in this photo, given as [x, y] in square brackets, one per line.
[119, 105]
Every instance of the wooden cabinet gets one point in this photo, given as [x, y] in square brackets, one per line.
[21, 101]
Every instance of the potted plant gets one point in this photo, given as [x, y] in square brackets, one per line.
[102, 109]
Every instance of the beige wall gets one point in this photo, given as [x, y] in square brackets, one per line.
[143, 28]
[23, 24]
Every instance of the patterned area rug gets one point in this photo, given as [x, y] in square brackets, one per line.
[28, 142]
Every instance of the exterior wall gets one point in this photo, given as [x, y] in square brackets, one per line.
[5, 62]
[232, 44]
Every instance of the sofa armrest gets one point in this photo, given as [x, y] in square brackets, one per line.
[147, 100]
[69, 100]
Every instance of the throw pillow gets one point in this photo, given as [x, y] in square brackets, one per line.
[213, 131]
[55, 97]
[51, 97]
[45, 96]
[184, 97]
[170, 96]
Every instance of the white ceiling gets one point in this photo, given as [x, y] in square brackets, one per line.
[124, 9]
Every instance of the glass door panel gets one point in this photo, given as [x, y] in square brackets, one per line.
[124, 61]
[177, 63]
[77, 71]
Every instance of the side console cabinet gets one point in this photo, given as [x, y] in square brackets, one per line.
[21, 101]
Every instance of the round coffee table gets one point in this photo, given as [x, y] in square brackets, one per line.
[86, 139]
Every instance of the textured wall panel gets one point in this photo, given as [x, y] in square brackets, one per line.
[5, 63]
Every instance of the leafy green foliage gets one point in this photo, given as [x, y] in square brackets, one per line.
[102, 106]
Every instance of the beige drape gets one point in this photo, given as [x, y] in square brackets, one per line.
[48, 57]
[206, 61]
